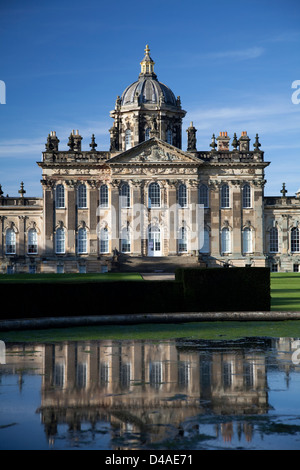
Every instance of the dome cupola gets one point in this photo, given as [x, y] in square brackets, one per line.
[146, 108]
[147, 89]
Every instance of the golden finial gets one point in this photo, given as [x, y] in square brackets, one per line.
[147, 63]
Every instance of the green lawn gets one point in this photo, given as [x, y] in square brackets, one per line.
[70, 277]
[285, 291]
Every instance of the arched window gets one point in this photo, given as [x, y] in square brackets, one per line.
[60, 241]
[32, 246]
[273, 247]
[182, 195]
[182, 240]
[170, 136]
[203, 195]
[125, 195]
[225, 202]
[247, 240]
[81, 192]
[104, 240]
[295, 240]
[125, 240]
[10, 242]
[103, 195]
[246, 196]
[60, 196]
[82, 240]
[154, 195]
[127, 139]
[226, 240]
[206, 245]
[147, 133]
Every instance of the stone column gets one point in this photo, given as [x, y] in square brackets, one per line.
[21, 249]
[163, 218]
[258, 223]
[193, 190]
[115, 225]
[71, 218]
[137, 217]
[285, 248]
[173, 228]
[93, 196]
[144, 219]
[49, 220]
[237, 221]
[215, 218]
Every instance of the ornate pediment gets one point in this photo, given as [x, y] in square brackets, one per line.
[154, 151]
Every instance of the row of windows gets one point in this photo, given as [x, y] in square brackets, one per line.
[32, 241]
[295, 240]
[154, 196]
[81, 196]
[10, 242]
[226, 241]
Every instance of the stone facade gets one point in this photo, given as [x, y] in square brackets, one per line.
[147, 198]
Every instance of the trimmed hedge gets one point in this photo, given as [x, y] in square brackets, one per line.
[194, 290]
[59, 299]
[225, 289]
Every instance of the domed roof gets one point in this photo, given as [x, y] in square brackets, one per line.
[149, 90]
[147, 87]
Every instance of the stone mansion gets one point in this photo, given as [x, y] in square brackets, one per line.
[146, 202]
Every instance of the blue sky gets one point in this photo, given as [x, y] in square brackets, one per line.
[232, 63]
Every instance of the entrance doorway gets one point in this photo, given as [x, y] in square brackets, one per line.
[154, 241]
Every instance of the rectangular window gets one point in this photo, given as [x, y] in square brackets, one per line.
[203, 195]
[154, 195]
[246, 196]
[104, 196]
[225, 200]
[182, 196]
[295, 240]
[296, 268]
[274, 240]
[60, 196]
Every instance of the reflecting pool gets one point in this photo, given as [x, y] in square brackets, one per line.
[142, 394]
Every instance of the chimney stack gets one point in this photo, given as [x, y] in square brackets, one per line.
[244, 142]
[223, 142]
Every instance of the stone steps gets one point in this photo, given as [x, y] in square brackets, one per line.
[166, 264]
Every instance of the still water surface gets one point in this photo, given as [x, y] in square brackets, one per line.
[142, 394]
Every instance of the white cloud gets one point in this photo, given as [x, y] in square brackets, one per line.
[238, 54]
[268, 116]
[32, 148]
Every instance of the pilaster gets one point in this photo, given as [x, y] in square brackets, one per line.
[215, 218]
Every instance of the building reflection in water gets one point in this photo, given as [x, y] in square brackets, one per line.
[145, 392]
[149, 389]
